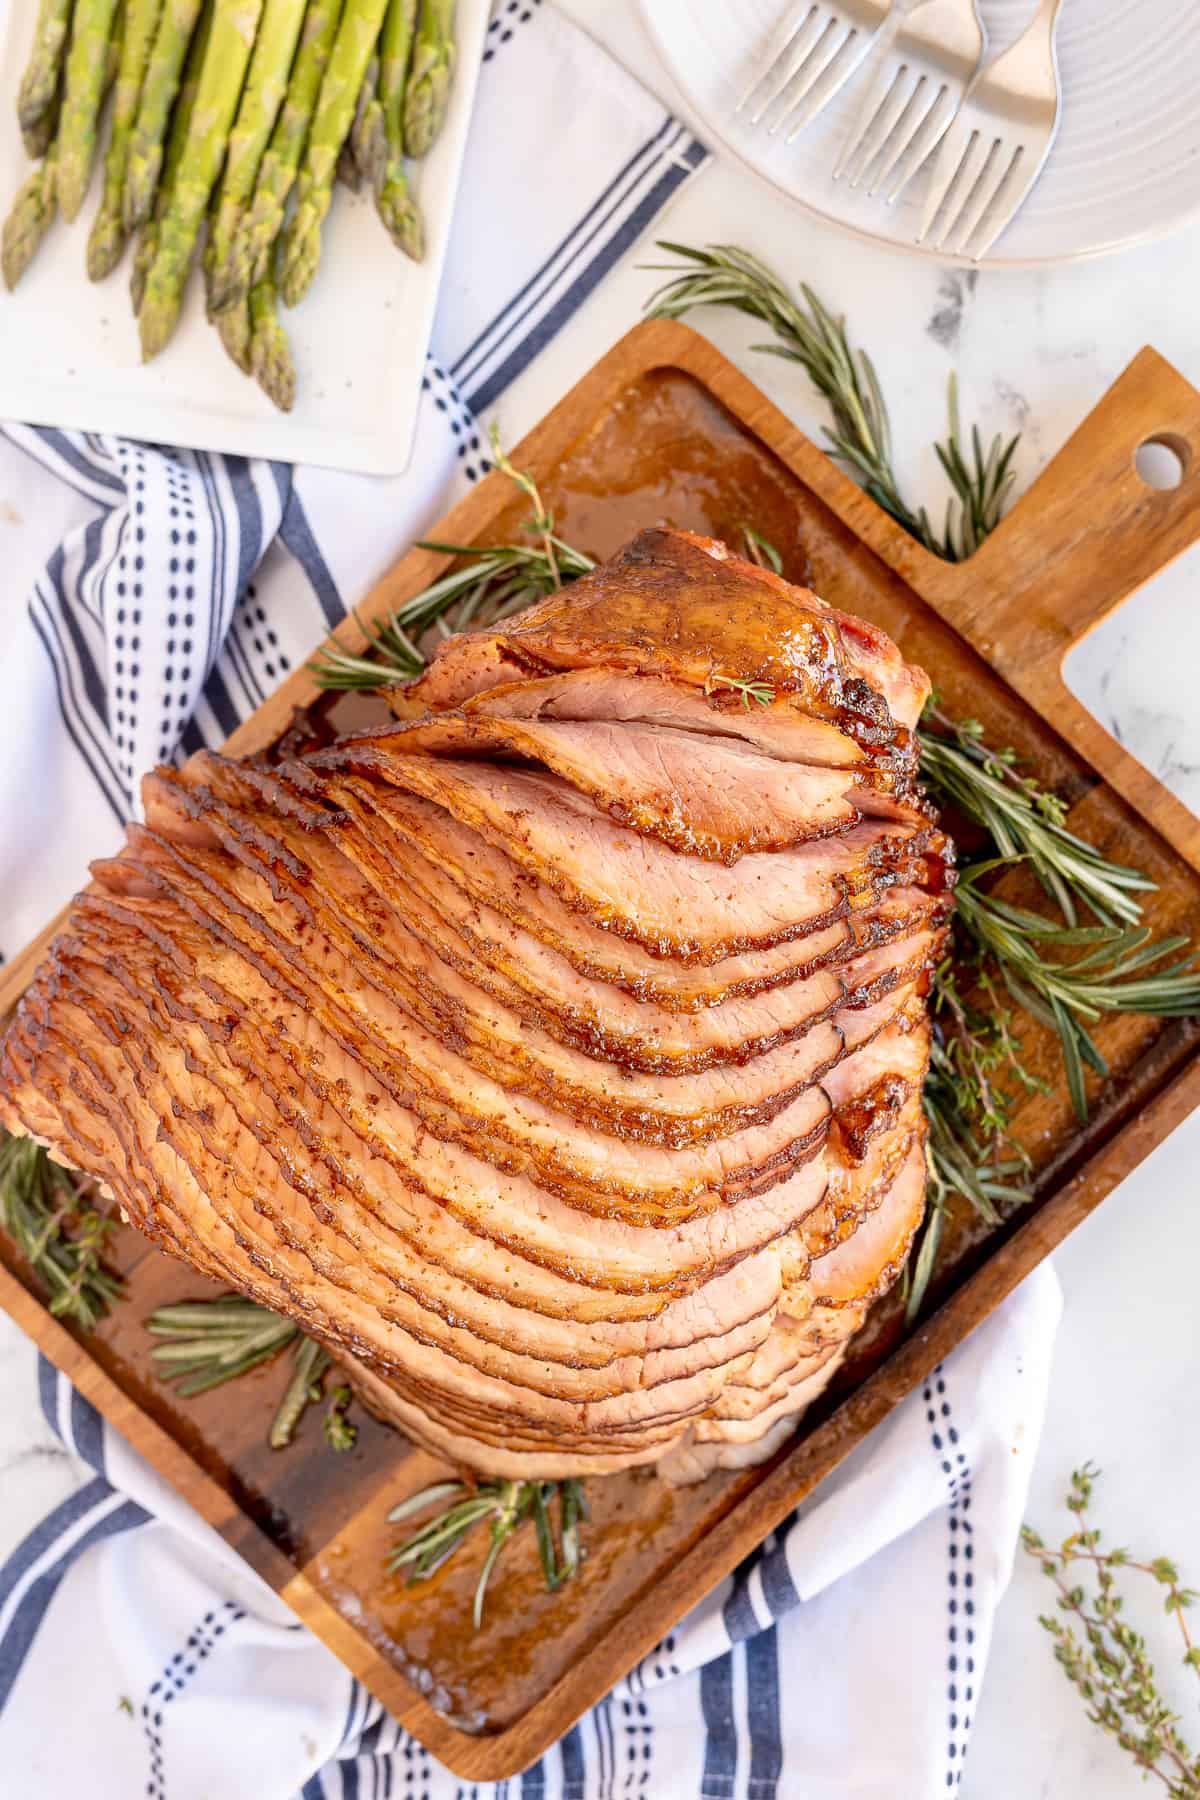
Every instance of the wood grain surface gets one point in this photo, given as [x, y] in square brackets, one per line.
[665, 430]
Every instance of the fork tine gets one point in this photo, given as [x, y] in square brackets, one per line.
[957, 146]
[781, 38]
[882, 105]
[833, 76]
[807, 71]
[1000, 158]
[907, 158]
[808, 22]
[1020, 176]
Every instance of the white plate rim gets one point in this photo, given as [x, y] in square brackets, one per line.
[711, 125]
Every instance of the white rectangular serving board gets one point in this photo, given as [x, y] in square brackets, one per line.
[69, 351]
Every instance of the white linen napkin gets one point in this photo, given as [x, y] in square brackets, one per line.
[168, 593]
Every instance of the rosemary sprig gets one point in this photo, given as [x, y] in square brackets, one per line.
[806, 332]
[61, 1235]
[487, 584]
[209, 1342]
[1119, 971]
[760, 550]
[1103, 1657]
[504, 1506]
[759, 692]
[308, 1374]
[341, 1433]
[1023, 820]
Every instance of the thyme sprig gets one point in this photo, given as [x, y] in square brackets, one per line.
[62, 1236]
[206, 1343]
[488, 583]
[504, 1506]
[806, 332]
[1101, 1654]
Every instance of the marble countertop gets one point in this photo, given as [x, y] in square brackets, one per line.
[1033, 351]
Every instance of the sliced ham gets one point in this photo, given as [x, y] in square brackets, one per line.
[553, 1055]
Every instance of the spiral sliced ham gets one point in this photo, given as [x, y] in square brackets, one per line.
[553, 1054]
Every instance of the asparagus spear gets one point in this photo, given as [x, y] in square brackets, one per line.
[181, 119]
[399, 211]
[270, 353]
[161, 84]
[107, 239]
[39, 83]
[87, 65]
[348, 171]
[38, 138]
[367, 141]
[352, 50]
[395, 55]
[247, 262]
[233, 329]
[234, 25]
[393, 198]
[262, 97]
[29, 219]
[429, 76]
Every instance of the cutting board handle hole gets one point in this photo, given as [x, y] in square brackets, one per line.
[1162, 462]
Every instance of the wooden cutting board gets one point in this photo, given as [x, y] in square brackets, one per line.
[665, 430]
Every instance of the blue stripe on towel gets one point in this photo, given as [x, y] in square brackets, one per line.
[720, 1743]
[762, 1706]
[498, 330]
[109, 1514]
[608, 252]
[80, 734]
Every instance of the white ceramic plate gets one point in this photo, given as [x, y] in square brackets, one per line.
[1125, 166]
[69, 350]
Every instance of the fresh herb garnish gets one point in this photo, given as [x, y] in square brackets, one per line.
[504, 1506]
[489, 584]
[63, 1237]
[806, 332]
[1101, 1654]
[209, 1342]
[760, 692]
[341, 1433]
[760, 550]
[1065, 973]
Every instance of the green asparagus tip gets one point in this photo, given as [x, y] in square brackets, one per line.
[303, 260]
[157, 319]
[106, 244]
[24, 228]
[141, 185]
[272, 366]
[425, 108]
[233, 328]
[38, 137]
[402, 217]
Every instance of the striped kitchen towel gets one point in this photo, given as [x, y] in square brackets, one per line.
[844, 1658]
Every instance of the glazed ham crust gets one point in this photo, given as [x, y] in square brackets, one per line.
[555, 1054]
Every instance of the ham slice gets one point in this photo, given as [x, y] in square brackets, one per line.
[553, 1055]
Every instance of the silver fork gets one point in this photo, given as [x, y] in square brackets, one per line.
[815, 52]
[924, 65]
[995, 149]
